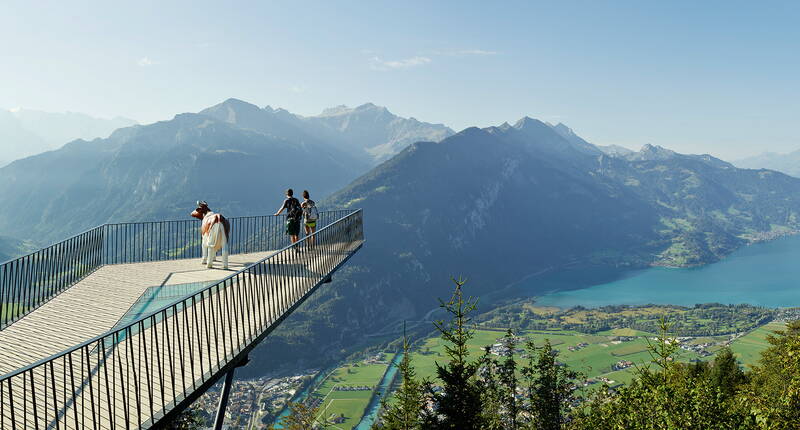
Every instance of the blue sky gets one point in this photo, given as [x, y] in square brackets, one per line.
[721, 77]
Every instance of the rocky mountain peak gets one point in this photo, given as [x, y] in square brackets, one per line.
[528, 123]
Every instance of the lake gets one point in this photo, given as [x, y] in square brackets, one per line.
[765, 274]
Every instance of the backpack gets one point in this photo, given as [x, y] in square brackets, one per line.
[294, 211]
[310, 212]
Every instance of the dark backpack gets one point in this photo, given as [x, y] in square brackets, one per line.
[294, 211]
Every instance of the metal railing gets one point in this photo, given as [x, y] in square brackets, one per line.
[148, 370]
[30, 281]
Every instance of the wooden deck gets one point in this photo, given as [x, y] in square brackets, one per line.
[95, 304]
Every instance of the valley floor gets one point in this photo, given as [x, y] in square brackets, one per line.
[344, 393]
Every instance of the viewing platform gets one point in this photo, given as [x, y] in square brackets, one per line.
[122, 327]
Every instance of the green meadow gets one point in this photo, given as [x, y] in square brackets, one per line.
[601, 352]
[591, 354]
[748, 347]
[337, 401]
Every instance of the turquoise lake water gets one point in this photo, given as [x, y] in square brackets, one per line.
[765, 274]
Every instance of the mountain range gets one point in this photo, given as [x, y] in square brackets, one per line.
[25, 132]
[497, 204]
[368, 132]
[502, 204]
[239, 157]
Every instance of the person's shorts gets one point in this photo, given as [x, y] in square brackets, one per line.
[293, 227]
[311, 224]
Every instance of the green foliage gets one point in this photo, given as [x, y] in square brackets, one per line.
[501, 408]
[709, 319]
[460, 391]
[190, 419]
[773, 395]
[725, 374]
[551, 388]
[497, 393]
[301, 417]
[406, 413]
[667, 395]
[487, 393]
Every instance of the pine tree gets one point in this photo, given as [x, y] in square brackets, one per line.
[301, 417]
[507, 373]
[725, 374]
[190, 419]
[406, 413]
[667, 395]
[773, 396]
[458, 404]
[491, 391]
[551, 387]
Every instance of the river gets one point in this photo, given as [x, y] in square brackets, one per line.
[765, 274]
[371, 413]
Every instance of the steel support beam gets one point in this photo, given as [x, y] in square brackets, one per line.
[226, 392]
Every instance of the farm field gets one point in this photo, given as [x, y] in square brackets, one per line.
[748, 347]
[599, 351]
[342, 394]
[591, 354]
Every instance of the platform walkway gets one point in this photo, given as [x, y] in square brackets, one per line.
[95, 304]
[100, 355]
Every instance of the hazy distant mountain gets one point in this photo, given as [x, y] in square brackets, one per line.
[159, 171]
[786, 163]
[26, 132]
[576, 140]
[658, 153]
[615, 150]
[502, 203]
[375, 130]
[273, 122]
[369, 132]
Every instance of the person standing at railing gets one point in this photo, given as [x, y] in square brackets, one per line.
[293, 214]
[310, 216]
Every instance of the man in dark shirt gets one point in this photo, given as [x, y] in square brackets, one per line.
[293, 214]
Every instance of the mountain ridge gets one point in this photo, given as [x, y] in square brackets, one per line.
[369, 132]
[25, 132]
[498, 205]
[144, 172]
[788, 163]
